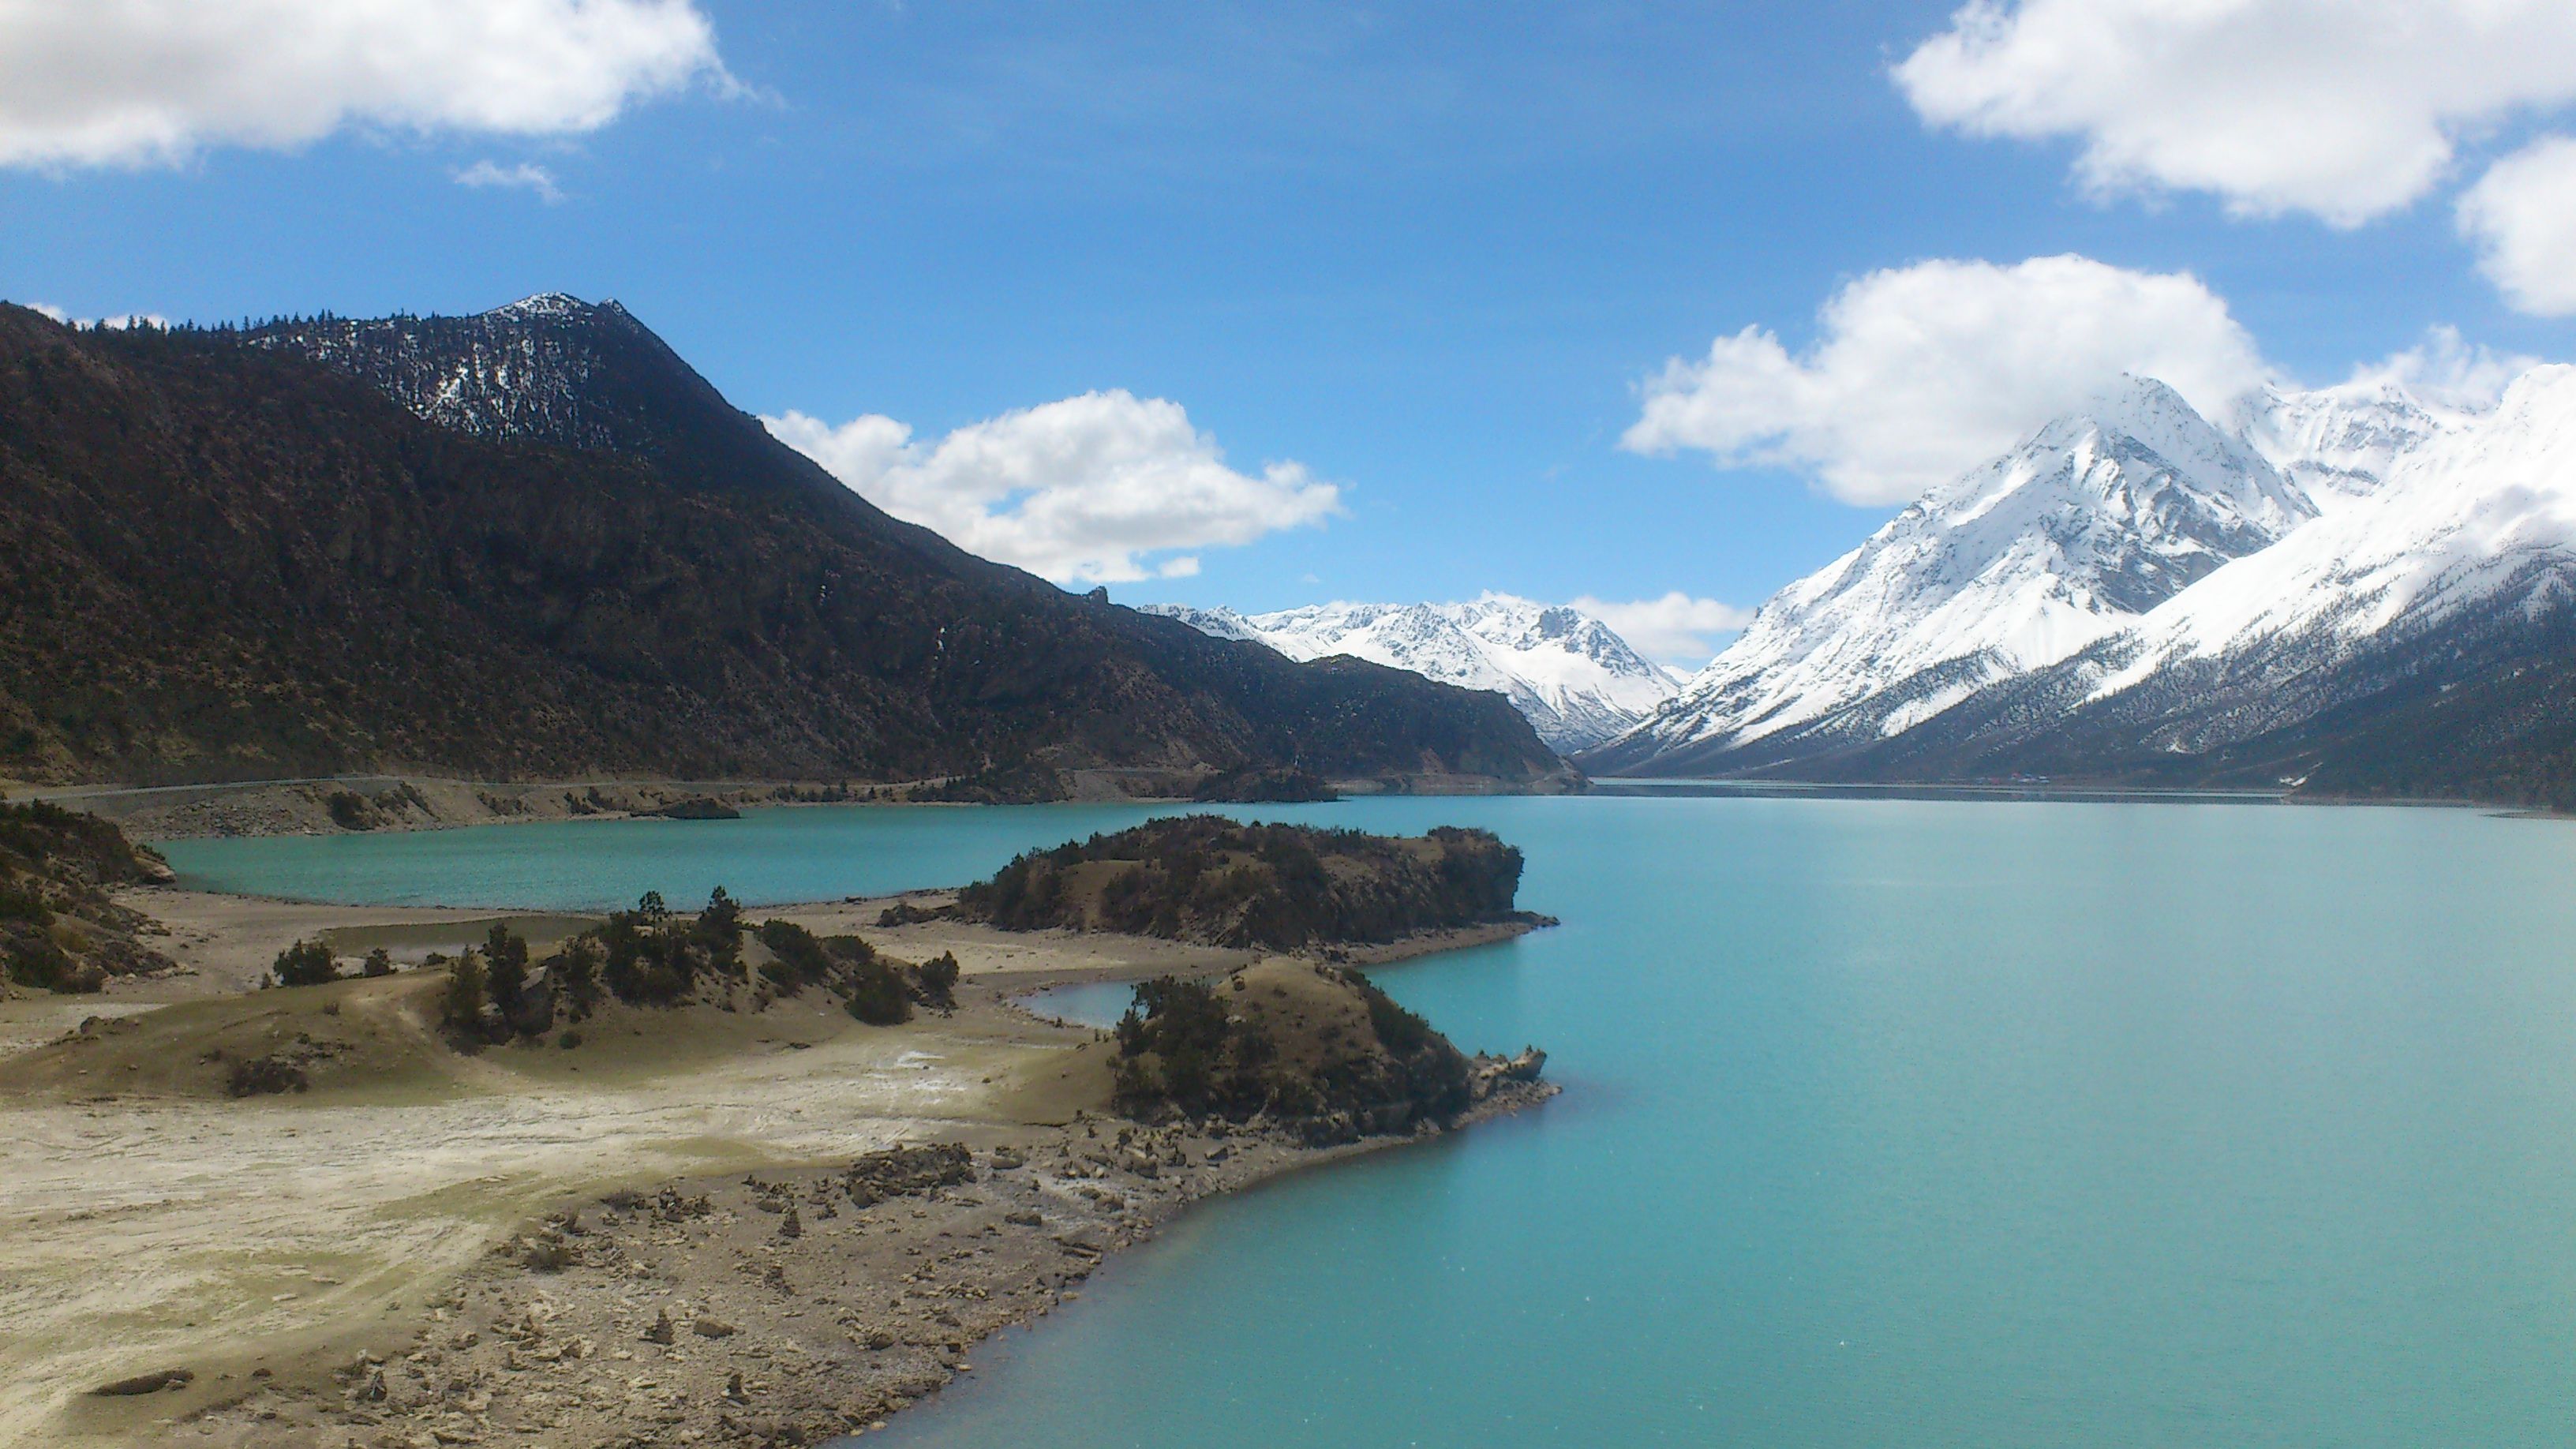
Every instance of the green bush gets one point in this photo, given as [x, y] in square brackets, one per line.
[380, 962]
[306, 963]
[466, 995]
[938, 977]
[505, 968]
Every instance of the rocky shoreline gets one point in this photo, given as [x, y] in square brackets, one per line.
[779, 1307]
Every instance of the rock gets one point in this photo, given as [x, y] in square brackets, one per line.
[791, 1226]
[151, 1383]
[712, 1328]
[698, 808]
[660, 1332]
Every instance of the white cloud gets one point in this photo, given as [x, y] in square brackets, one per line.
[2446, 369]
[1674, 628]
[2522, 215]
[117, 323]
[1078, 490]
[1920, 372]
[135, 82]
[524, 176]
[2342, 109]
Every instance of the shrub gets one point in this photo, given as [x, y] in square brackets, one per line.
[261, 1076]
[465, 994]
[877, 996]
[801, 958]
[34, 960]
[18, 903]
[505, 970]
[306, 963]
[380, 962]
[575, 970]
[938, 977]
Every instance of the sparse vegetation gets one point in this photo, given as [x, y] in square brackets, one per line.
[59, 928]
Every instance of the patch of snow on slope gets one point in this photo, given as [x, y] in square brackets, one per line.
[2475, 512]
[1578, 682]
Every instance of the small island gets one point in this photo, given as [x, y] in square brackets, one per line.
[1220, 882]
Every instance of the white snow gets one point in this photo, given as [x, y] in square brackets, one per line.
[2324, 523]
[2014, 565]
[2478, 509]
[1578, 682]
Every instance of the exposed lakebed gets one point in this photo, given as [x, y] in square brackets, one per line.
[1931, 1123]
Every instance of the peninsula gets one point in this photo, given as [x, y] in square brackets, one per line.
[737, 1175]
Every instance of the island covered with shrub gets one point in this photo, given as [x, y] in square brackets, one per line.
[1221, 882]
[1313, 1048]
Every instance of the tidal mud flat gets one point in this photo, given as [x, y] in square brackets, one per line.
[483, 1248]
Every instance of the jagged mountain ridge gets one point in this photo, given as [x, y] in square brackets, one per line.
[1571, 675]
[2411, 638]
[2083, 526]
[535, 544]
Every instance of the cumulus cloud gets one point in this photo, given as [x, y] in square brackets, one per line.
[2445, 368]
[135, 82]
[525, 176]
[1674, 628]
[2344, 110]
[1920, 372]
[2522, 215]
[1090, 489]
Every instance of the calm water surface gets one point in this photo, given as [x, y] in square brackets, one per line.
[1886, 1123]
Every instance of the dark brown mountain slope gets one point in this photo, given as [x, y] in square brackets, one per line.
[232, 556]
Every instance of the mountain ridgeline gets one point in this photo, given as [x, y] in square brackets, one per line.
[2350, 593]
[535, 544]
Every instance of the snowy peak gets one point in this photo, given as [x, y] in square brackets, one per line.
[2086, 524]
[2338, 443]
[1575, 679]
[2479, 514]
[549, 306]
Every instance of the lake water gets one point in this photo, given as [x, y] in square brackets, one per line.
[1887, 1123]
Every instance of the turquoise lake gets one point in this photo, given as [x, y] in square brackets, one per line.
[1904, 1123]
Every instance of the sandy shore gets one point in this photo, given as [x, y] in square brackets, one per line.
[264, 1245]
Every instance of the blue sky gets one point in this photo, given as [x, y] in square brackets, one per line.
[1430, 253]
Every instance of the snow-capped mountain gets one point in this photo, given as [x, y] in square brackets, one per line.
[2338, 443]
[2475, 523]
[2081, 528]
[1576, 681]
[2409, 631]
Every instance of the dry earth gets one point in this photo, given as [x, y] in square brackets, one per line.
[147, 1223]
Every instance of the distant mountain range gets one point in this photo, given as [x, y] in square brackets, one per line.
[1577, 682]
[534, 544]
[2351, 591]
